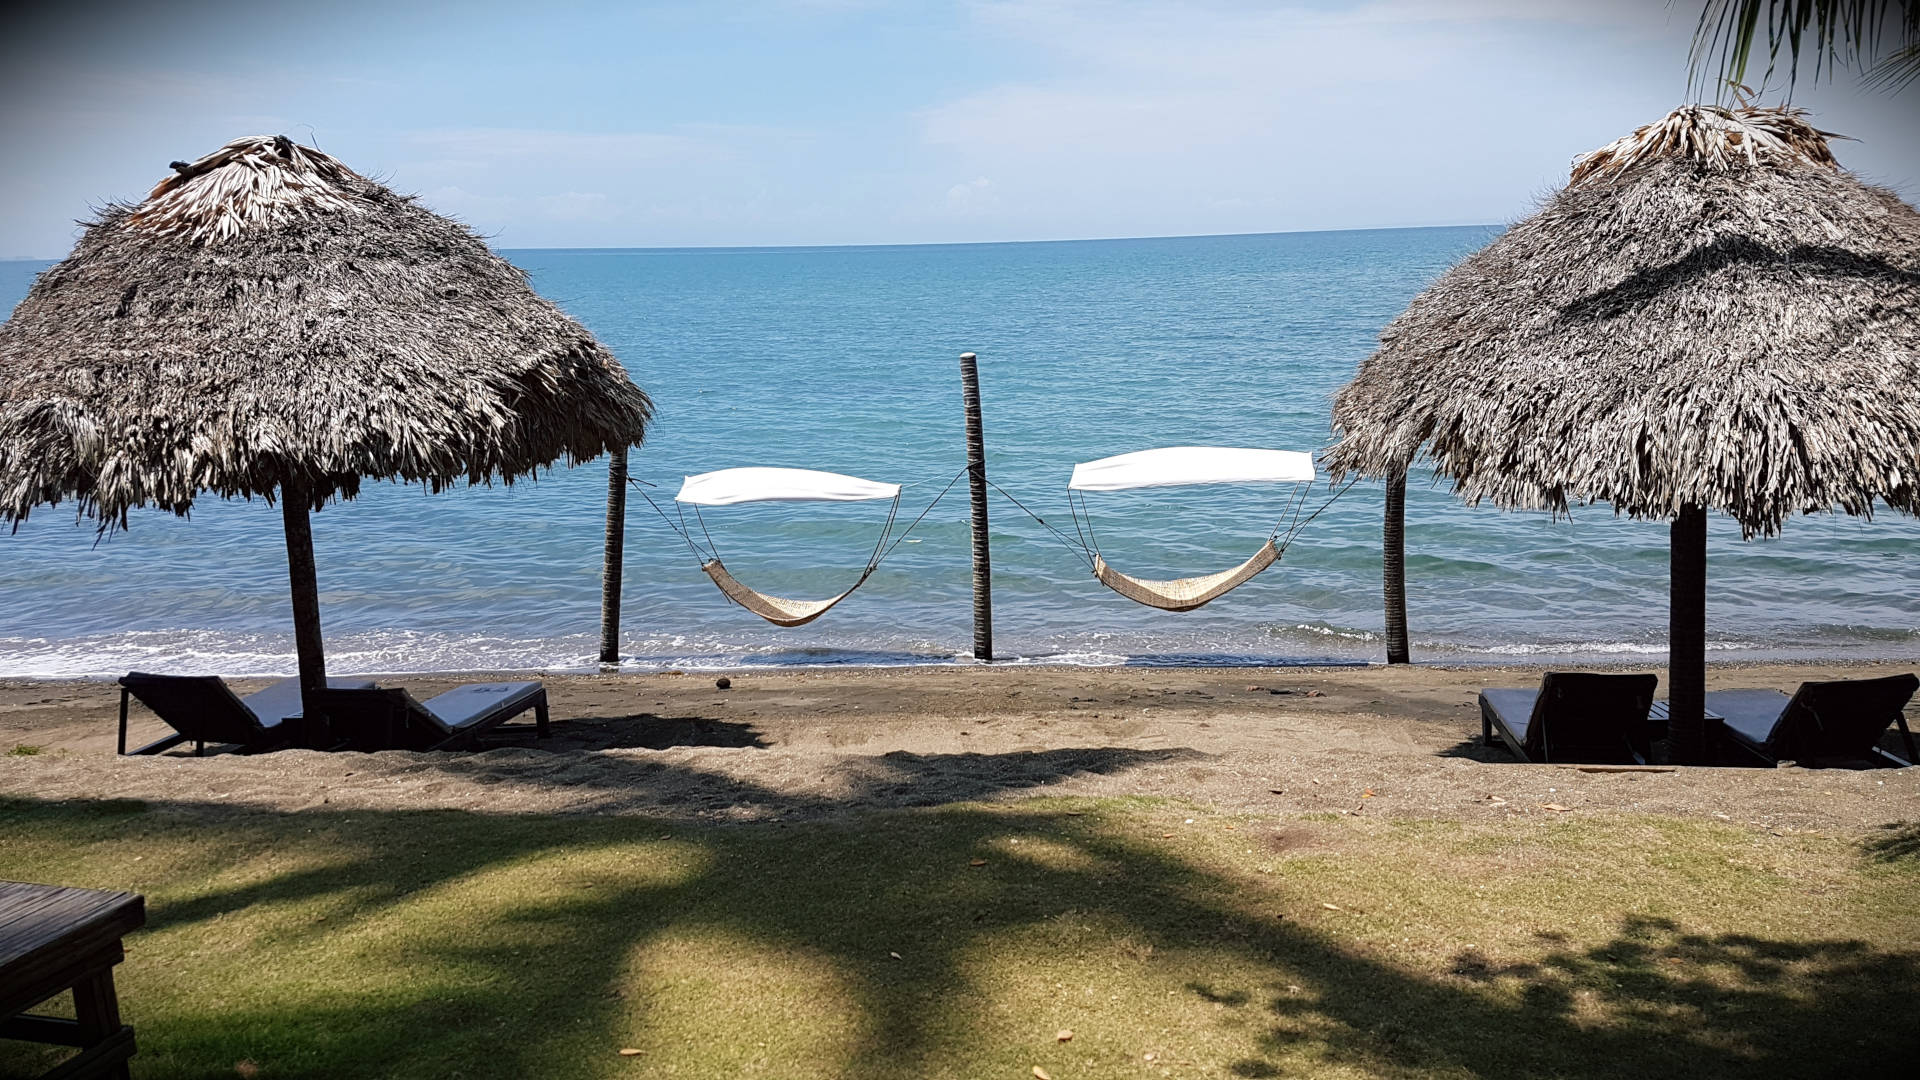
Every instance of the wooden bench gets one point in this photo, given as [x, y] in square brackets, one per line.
[54, 939]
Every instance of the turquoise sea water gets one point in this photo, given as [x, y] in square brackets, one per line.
[846, 359]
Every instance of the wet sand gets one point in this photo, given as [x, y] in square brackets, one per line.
[1402, 741]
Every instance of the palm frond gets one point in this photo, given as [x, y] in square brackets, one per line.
[1879, 38]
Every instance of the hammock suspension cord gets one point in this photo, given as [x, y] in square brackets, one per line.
[1079, 549]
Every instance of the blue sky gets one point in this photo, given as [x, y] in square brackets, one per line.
[862, 121]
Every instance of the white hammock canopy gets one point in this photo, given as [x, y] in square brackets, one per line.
[1178, 466]
[730, 487]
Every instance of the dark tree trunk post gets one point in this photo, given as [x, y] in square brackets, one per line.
[615, 551]
[295, 501]
[1687, 638]
[1393, 567]
[977, 484]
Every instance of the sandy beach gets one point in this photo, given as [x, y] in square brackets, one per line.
[808, 744]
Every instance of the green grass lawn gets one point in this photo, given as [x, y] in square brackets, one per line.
[961, 942]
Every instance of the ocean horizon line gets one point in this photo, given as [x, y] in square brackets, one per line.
[923, 244]
[711, 248]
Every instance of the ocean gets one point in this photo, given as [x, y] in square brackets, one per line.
[846, 359]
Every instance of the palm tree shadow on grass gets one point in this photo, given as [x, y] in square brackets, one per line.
[1894, 843]
[853, 890]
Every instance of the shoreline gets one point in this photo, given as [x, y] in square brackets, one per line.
[1037, 664]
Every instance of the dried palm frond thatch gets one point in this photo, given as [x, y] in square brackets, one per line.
[268, 318]
[1712, 313]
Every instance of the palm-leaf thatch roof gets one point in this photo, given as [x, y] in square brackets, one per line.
[267, 314]
[1711, 313]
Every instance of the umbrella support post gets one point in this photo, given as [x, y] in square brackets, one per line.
[1393, 567]
[977, 485]
[1687, 638]
[611, 567]
[305, 585]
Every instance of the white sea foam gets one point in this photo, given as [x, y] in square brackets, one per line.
[401, 652]
[1591, 648]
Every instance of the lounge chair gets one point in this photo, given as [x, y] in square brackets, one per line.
[202, 709]
[390, 719]
[1574, 716]
[1821, 722]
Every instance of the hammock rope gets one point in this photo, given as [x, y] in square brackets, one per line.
[1080, 549]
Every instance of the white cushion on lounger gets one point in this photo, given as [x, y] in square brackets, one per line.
[1514, 707]
[281, 701]
[470, 704]
[1750, 714]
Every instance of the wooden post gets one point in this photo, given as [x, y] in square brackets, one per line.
[977, 483]
[1687, 638]
[294, 503]
[614, 560]
[1393, 567]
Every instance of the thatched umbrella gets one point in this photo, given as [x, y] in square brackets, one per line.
[268, 322]
[1712, 314]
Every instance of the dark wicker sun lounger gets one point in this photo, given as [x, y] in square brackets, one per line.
[1575, 716]
[390, 719]
[202, 709]
[1822, 722]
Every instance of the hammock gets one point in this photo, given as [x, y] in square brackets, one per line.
[1179, 466]
[731, 487]
[775, 609]
[1187, 593]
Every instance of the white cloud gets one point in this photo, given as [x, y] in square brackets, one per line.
[1158, 116]
[973, 196]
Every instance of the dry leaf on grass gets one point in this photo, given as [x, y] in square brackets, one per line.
[1041, 1074]
[245, 1067]
[1367, 794]
[1555, 807]
[1064, 1035]
[895, 955]
[976, 862]
[629, 1051]
[1329, 907]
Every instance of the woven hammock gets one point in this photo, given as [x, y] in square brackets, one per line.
[1184, 594]
[775, 609]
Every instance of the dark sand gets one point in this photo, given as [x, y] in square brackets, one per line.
[814, 743]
